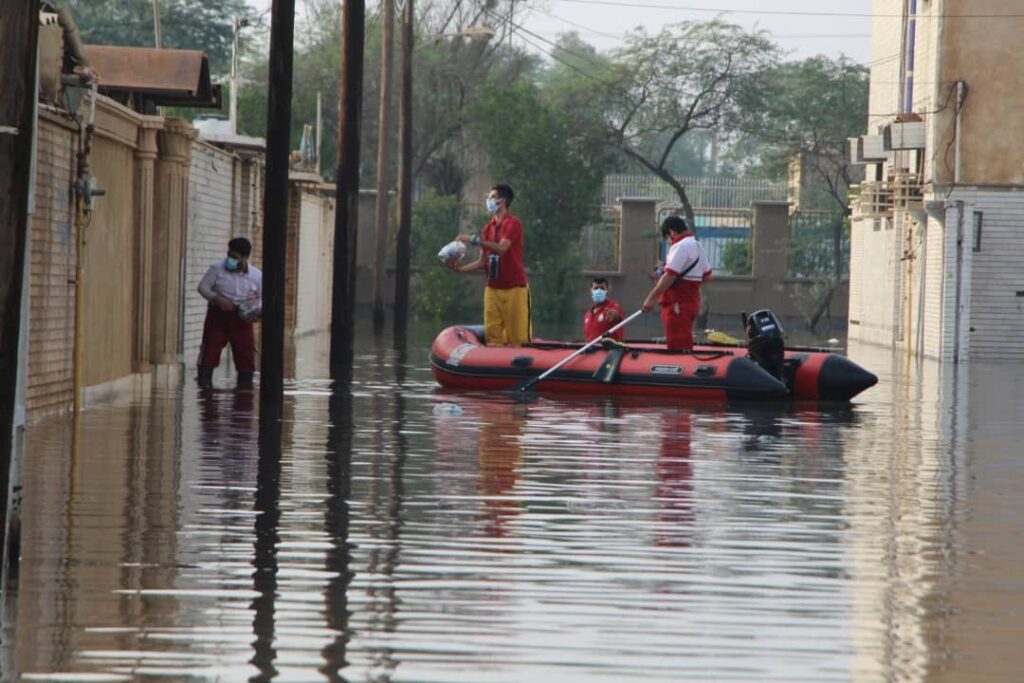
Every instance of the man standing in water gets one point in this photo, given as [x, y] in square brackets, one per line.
[507, 292]
[678, 288]
[234, 288]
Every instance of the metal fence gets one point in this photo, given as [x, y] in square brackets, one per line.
[707, 192]
[812, 240]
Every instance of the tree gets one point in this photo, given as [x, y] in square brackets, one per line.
[813, 106]
[692, 76]
[556, 170]
[184, 25]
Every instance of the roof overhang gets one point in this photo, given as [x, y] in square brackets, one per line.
[178, 78]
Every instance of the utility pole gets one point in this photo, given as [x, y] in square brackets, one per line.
[380, 234]
[157, 40]
[19, 37]
[346, 216]
[275, 201]
[403, 255]
[237, 23]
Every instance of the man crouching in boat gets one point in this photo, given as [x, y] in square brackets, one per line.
[678, 288]
[507, 293]
[604, 314]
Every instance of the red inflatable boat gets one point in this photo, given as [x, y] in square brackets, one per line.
[459, 359]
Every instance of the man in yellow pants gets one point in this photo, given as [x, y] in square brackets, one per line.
[507, 292]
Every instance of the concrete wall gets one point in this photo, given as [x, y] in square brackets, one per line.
[170, 204]
[315, 257]
[985, 53]
[110, 247]
[211, 207]
[725, 296]
[915, 282]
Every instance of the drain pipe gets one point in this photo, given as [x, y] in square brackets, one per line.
[85, 190]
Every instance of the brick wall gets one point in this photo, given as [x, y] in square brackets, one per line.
[51, 273]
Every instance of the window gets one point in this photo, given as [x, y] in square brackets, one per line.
[976, 231]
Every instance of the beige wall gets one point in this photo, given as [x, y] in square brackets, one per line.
[986, 54]
[109, 263]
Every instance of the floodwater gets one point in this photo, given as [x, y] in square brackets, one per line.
[409, 534]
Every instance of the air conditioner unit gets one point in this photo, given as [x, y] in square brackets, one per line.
[904, 135]
[852, 152]
[870, 148]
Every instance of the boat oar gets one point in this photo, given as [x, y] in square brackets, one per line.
[530, 382]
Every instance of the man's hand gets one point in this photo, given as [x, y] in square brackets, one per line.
[648, 305]
[224, 303]
[454, 264]
[612, 316]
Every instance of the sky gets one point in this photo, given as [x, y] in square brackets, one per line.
[804, 28]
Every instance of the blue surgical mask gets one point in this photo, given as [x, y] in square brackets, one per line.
[492, 205]
[599, 295]
[232, 263]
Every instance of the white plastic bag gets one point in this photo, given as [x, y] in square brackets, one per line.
[453, 251]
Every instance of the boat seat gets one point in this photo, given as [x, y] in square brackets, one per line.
[608, 371]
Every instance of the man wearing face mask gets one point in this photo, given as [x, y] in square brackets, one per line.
[234, 288]
[678, 288]
[507, 292]
[604, 314]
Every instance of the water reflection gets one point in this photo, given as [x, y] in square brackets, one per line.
[395, 532]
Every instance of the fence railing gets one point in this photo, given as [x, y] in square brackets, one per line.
[812, 244]
[707, 192]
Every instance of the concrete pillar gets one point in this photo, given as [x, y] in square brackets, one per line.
[770, 244]
[145, 166]
[638, 250]
[170, 202]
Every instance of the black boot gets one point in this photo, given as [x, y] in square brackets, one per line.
[204, 377]
[244, 380]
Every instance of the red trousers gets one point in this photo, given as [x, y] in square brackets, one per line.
[678, 317]
[221, 328]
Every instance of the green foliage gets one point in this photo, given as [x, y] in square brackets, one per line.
[184, 25]
[556, 170]
[439, 294]
[736, 257]
[691, 77]
[812, 247]
[812, 107]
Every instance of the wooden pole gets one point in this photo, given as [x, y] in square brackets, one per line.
[275, 202]
[346, 217]
[19, 36]
[403, 250]
[380, 234]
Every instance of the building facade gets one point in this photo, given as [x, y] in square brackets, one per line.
[938, 224]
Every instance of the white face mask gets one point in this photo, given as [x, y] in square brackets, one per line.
[599, 295]
[492, 205]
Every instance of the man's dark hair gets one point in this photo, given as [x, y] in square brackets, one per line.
[599, 281]
[673, 224]
[240, 246]
[505, 192]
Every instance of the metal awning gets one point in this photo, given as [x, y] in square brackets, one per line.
[148, 77]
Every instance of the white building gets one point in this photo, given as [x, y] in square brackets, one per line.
[938, 226]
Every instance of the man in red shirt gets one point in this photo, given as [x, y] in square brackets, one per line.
[507, 292]
[678, 289]
[604, 314]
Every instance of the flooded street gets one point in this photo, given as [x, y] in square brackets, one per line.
[410, 534]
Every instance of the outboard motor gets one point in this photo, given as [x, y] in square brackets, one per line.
[766, 344]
